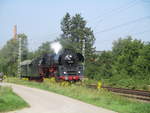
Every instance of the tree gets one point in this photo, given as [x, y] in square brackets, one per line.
[142, 63]
[105, 62]
[101, 66]
[66, 26]
[43, 49]
[125, 52]
[75, 32]
[9, 55]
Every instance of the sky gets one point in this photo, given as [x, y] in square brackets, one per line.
[109, 19]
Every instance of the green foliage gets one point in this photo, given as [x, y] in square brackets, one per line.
[126, 52]
[100, 98]
[128, 57]
[9, 55]
[127, 65]
[45, 48]
[10, 101]
[101, 66]
[74, 32]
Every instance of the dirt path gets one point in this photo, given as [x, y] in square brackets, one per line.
[41, 101]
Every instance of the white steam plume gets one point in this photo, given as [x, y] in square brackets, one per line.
[56, 46]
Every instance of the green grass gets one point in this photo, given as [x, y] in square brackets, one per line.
[128, 82]
[124, 82]
[9, 100]
[100, 98]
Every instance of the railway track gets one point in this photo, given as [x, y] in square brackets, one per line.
[137, 94]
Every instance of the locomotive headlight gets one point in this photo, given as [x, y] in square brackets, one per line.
[65, 72]
[79, 72]
[66, 78]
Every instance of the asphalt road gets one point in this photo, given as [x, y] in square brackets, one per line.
[41, 101]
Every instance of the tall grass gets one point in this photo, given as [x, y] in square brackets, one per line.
[100, 98]
[128, 82]
[9, 100]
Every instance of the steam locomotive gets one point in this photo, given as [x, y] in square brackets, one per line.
[66, 65]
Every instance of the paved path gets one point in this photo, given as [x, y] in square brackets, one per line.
[41, 101]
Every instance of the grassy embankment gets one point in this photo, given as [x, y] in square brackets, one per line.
[9, 101]
[128, 82]
[124, 82]
[100, 98]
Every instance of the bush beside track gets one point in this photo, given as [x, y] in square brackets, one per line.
[100, 98]
[9, 101]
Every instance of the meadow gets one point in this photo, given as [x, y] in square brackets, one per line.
[9, 101]
[101, 98]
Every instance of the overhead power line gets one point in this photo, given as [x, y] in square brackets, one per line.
[139, 33]
[135, 34]
[124, 24]
[115, 11]
[119, 9]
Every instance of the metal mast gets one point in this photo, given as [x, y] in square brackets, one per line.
[83, 52]
[19, 57]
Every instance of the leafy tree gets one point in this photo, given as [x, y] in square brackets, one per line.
[101, 66]
[9, 55]
[125, 52]
[74, 32]
[66, 26]
[43, 49]
[142, 63]
[105, 64]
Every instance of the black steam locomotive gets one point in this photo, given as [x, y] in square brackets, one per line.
[66, 65]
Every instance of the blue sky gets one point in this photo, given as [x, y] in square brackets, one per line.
[109, 19]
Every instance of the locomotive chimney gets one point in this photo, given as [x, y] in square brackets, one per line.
[15, 32]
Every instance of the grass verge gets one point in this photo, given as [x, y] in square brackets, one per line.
[9, 101]
[100, 98]
[128, 82]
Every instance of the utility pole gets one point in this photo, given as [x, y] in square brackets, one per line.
[19, 57]
[83, 52]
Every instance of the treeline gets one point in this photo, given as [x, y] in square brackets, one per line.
[126, 64]
[9, 55]
[74, 32]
